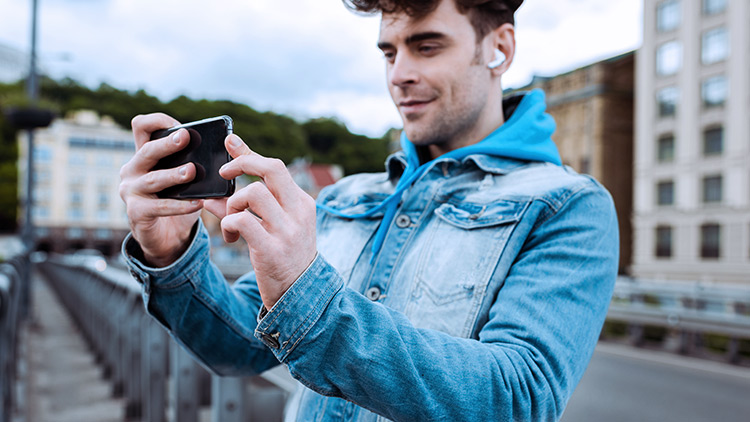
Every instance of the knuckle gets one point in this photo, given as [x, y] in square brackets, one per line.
[150, 179]
[276, 165]
[136, 120]
[125, 170]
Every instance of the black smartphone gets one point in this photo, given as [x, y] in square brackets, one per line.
[206, 150]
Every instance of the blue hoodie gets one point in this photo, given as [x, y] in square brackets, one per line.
[526, 135]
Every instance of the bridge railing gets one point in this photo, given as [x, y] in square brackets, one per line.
[158, 380]
[687, 311]
[14, 297]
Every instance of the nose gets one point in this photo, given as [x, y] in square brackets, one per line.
[403, 72]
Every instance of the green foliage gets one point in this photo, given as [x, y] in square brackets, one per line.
[323, 140]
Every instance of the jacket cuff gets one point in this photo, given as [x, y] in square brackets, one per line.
[173, 274]
[295, 314]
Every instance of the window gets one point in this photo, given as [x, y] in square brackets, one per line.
[667, 100]
[668, 58]
[104, 160]
[710, 241]
[712, 191]
[40, 211]
[76, 197]
[102, 215]
[74, 233]
[42, 155]
[668, 16]
[103, 234]
[713, 141]
[103, 200]
[77, 180]
[665, 149]
[714, 46]
[712, 7]
[76, 158]
[75, 214]
[663, 241]
[42, 176]
[714, 91]
[665, 193]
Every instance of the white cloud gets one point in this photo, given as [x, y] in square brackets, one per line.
[303, 57]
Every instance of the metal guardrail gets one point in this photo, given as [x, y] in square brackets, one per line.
[687, 309]
[158, 379]
[14, 297]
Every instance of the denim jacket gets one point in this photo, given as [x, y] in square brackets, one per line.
[484, 303]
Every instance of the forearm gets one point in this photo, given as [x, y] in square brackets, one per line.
[193, 301]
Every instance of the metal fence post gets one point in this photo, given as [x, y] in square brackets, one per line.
[184, 384]
[227, 394]
[154, 378]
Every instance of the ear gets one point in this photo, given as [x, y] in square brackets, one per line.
[503, 38]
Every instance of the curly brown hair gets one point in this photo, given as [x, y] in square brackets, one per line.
[484, 15]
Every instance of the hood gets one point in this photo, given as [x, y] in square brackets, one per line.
[526, 135]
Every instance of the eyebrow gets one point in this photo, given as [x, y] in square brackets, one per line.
[415, 38]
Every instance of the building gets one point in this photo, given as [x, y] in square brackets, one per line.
[76, 176]
[314, 177]
[593, 109]
[691, 214]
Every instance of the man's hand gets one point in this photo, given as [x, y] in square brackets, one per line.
[275, 217]
[161, 226]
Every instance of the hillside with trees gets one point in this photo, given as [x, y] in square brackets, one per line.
[322, 140]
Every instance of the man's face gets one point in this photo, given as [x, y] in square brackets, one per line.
[436, 76]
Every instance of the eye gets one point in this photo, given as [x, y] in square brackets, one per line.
[428, 49]
[390, 56]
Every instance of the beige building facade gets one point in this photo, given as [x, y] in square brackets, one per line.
[692, 153]
[593, 109]
[76, 203]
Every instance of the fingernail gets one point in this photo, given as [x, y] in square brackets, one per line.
[194, 202]
[182, 170]
[235, 142]
[176, 137]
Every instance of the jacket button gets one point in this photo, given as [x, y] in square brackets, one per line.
[373, 293]
[403, 221]
[271, 340]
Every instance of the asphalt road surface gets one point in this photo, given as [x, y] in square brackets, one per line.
[623, 384]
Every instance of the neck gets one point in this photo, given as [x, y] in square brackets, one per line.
[490, 119]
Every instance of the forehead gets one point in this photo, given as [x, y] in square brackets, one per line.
[445, 19]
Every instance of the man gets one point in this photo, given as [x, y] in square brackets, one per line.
[468, 282]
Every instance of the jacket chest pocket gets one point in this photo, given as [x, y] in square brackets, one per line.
[341, 240]
[462, 248]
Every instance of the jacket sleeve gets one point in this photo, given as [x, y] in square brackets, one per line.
[210, 318]
[529, 355]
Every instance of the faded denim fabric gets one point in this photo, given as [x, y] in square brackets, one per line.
[484, 303]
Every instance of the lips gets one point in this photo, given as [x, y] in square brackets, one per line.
[412, 106]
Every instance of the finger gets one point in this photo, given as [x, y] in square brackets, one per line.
[273, 172]
[143, 208]
[158, 180]
[236, 147]
[217, 207]
[258, 199]
[243, 224]
[144, 124]
[151, 152]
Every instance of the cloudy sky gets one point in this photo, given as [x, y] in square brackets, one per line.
[306, 58]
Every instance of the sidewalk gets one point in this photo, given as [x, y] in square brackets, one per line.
[63, 384]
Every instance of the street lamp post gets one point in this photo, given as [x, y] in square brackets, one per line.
[32, 90]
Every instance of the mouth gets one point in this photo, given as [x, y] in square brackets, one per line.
[413, 106]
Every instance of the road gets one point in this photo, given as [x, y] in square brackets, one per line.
[632, 385]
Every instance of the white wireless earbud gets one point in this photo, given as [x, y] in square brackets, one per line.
[499, 59]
